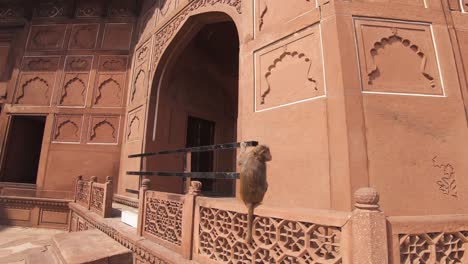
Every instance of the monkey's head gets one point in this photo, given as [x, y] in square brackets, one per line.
[262, 153]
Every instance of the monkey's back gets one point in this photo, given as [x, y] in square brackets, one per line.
[253, 183]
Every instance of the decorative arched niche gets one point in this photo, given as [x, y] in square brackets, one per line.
[397, 58]
[196, 62]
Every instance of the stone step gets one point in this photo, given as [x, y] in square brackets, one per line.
[48, 255]
[90, 247]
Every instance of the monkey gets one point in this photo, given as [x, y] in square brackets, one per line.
[253, 183]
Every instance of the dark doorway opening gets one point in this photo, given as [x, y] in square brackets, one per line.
[23, 149]
[200, 132]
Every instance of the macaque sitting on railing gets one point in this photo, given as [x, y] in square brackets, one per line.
[253, 183]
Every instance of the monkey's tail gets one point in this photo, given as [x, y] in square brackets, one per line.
[249, 223]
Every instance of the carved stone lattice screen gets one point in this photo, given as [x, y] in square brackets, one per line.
[429, 240]
[101, 197]
[221, 236]
[434, 248]
[95, 196]
[167, 219]
[97, 201]
[163, 219]
[82, 195]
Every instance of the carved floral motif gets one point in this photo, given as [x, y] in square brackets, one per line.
[79, 63]
[84, 36]
[89, 8]
[46, 37]
[142, 54]
[221, 238]
[50, 9]
[447, 182]
[113, 63]
[97, 201]
[11, 10]
[40, 64]
[82, 194]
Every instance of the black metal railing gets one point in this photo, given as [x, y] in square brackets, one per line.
[187, 159]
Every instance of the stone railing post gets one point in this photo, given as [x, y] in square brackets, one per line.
[108, 197]
[189, 218]
[77, 183]
[91, 182]
[369, 229]
[145, 184]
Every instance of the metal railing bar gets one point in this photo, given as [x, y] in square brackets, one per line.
[195, 175]
[197, 149]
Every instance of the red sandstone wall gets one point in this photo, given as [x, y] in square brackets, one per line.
[344, 99]
[72, 66]
[346, 93]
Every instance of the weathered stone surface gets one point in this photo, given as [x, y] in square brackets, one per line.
[91, 246]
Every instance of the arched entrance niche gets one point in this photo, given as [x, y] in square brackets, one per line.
[194, 101]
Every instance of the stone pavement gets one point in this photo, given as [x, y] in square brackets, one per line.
[27, 245]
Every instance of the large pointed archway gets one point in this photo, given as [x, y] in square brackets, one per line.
[194, 101]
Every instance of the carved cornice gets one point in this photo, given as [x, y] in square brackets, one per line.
[33, 201]
[125, 201]
[14, 9]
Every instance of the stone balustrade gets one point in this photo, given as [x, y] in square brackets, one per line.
[94, 196]
[212, 230]
[167, 218]
[428, 239]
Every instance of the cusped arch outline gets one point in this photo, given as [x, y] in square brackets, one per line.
[136, 119]
[105, 83]
[372, 73]
[65, 123]
[67, 86]
[103, 122]
[272, 67]
[141, 74]
[29, 82]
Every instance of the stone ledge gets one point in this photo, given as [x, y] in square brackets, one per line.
[121, 199]
[91, 246]
[143, 249]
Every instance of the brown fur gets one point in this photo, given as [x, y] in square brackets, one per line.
[253, 183]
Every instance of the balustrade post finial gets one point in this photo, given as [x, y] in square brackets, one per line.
[145, 184]
[195, 187]
[93, 178]
[109, 179]
[367, 198]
